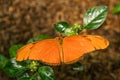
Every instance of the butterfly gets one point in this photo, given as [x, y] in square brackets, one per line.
[64, 50]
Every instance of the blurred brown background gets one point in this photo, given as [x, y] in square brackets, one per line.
[21, 20]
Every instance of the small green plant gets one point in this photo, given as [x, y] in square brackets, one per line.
[116, 9]
[35, 70]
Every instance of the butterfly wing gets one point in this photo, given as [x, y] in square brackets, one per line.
[76, 46]
[97, 41]
[73, 47]
[23, 53]
[46, 51]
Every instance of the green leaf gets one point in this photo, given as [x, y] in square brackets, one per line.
[74, 30]
[25, 63]
[41, 37]
[61, 26]
[13, 50]
[35, 76]
[30, 76]
[3, 61]
[95, 17]
[46, 73]
[116, 8]
[24, 78]
[13, 69]
[69, 32]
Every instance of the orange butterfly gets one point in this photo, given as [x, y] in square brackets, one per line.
[57, 51]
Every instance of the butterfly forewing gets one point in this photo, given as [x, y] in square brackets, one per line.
[23, 53]
[46, 51]
[74, 47]
[97, 41]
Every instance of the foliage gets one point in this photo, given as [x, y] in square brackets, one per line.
[95, 17]
[33, 70]
[41, 37]
[92, 19]
[61, 26]
[46, 73]
[13, 50]
[22, 70]
[116, 9]
[13, 69]
[3, 61]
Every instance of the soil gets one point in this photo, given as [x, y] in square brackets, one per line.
[21, 20]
